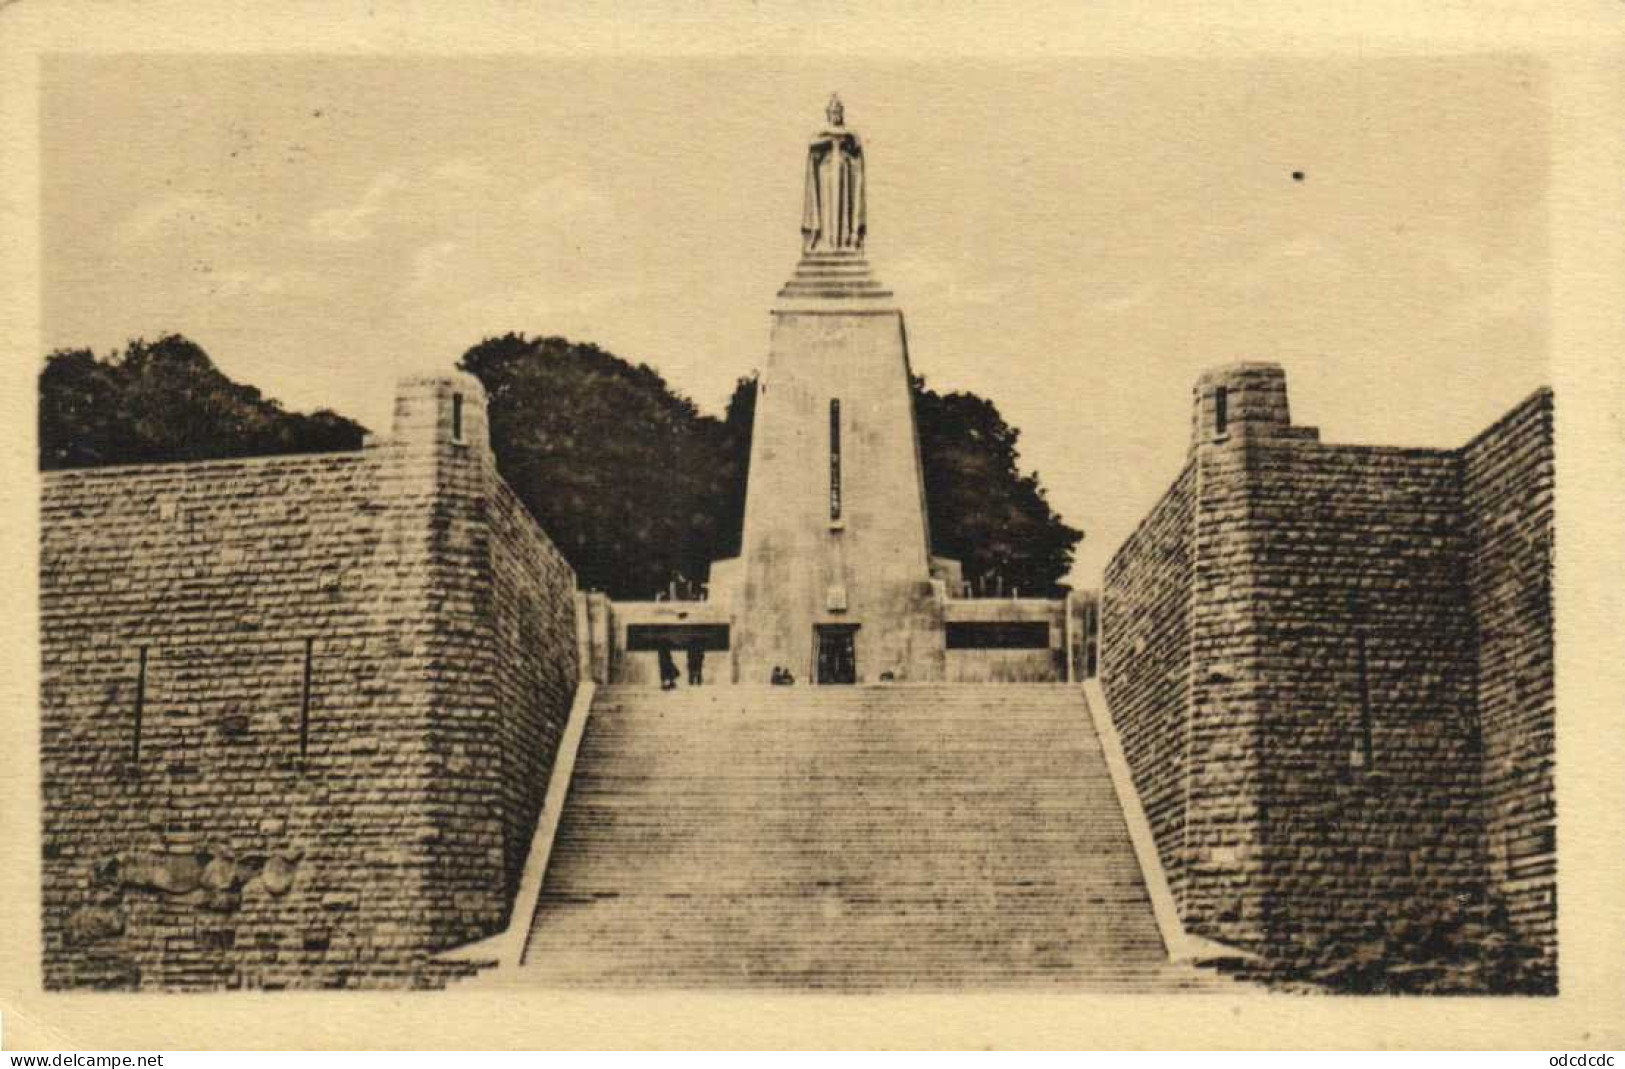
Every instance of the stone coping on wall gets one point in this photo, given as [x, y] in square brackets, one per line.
[967, 610]
[206, 466]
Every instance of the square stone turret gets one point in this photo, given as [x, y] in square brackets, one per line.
[1237, 403]
[441, 410]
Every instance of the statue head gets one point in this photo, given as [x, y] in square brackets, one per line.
[836, 113]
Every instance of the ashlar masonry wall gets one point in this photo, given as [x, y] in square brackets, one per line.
[296, 712]
[1146, 666]
[1368, 751]
[1507, 480]
[1330, 666]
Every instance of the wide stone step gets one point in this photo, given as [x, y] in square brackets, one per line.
[846, 930]
[787, 781]
[839, 818]
[794, 861]
[1013, 735]
[943, 720]
[899, 693]
[878, 814]
[759, 842]
[614, 970]
[1122, 892]
[1081, 762]
[580, 876]
[922, 704]
[838, 827]
[902, 695]
[955, 928]
[946, 710]
[684, 940]
[883, 741]
[779, 892]
[878, 744]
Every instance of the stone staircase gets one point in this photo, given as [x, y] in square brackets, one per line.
[849, 838]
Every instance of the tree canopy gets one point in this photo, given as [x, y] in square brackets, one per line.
[632, 482]
[983, 510]
[628, 478]
[165, 400]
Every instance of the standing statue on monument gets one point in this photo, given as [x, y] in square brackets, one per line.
[833, 215]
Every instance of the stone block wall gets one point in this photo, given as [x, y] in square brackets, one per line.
[1330, 666]
[1368, 751]
[276, 746]
[533, 609]
[1507, 478]
[1221, 853]
[1145, 649]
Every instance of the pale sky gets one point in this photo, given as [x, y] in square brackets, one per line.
[1074, 239]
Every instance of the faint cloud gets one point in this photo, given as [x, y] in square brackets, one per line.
[945, 281]
[1290, 261]
[429, 264]
[252, 281]
[919, 271]
[462, 171]
[355, 223]
[1133, 296]
[539, 309]
[1489, 301]
[985, 292]
[186, 213]
[563, 198]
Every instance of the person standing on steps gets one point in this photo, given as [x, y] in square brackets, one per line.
[696, 662]
[668, 667]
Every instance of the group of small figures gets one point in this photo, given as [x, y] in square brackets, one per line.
[669, 675]
[668, 666]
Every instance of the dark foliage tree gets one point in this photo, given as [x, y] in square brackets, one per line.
[630, 481]
[983, 511]
[165, 400]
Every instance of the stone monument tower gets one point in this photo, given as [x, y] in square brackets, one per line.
[834, 581]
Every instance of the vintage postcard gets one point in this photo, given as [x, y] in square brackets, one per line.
[784, 527]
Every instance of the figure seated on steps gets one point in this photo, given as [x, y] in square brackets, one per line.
[782, 677]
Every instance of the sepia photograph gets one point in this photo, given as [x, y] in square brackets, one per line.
[550, 524]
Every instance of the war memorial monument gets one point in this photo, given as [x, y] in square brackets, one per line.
[347, 720]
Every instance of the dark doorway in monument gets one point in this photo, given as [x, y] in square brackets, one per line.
[836, 658]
